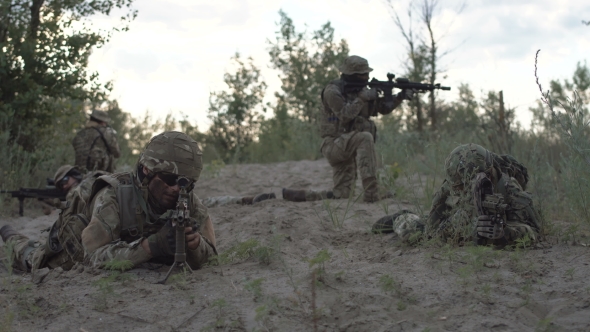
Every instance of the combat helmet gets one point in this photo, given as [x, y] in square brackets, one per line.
[66, 170]
[172, 152]
[354, 64]
[100, 116]
[467, 160]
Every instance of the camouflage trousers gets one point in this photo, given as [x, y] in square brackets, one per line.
[27, 255]
[220, 201]
[345, 154]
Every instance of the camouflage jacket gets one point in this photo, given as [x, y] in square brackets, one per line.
[453, 214]
[96, 147]
[108, 236]
[343, 113]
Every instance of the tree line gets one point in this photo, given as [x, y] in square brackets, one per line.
[46, 89]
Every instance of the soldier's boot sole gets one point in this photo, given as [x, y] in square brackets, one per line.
[6, 232]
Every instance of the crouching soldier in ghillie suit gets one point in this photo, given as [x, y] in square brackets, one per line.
[482, 199]
[125, 216]
[349, 133]
[96, 145]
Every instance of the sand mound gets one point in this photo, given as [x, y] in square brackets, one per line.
[363, 282]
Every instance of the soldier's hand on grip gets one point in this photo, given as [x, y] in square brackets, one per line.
[368, 94]
[488, 227]
[163, 243]
[406, 94]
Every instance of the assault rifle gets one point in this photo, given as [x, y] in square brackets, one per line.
[488, 203]
[180, 219]
[399, 83]
[49, 192]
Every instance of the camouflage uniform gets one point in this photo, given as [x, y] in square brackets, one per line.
[453, 214]
[122, 214]
[96, 145]
[221, 200]
[348, 132]
[62, 247]
[109, 236]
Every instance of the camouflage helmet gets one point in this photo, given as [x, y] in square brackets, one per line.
[100, 116]
[62, 172]
[173, 152]
[354, 64]
[467, 160]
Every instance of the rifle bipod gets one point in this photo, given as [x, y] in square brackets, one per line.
[180, 255]
[179, 218]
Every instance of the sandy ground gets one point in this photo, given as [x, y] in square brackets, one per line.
[364, 282]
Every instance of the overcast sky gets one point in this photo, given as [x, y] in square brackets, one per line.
[177, 51]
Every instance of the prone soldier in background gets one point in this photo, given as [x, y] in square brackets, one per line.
[126, 216]
[482, 199]
[348, 132]
[96, 146]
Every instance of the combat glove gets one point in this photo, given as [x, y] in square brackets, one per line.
[406, 94]
[368, 94]
[163, 243]
[489, 227]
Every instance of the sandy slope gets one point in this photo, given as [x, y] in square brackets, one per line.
[426, 289]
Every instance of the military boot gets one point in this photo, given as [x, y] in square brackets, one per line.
[293, 195]
[247, 200]
[263, 197]
[6, 232]
[371, 190]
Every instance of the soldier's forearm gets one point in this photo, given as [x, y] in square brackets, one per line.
[120, 251]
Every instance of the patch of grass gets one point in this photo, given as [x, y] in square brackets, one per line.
[465, 273]
[524, 242]
[332, 209]
[26, 302]
[105, 285]
[390, 285]
[118, 265]
[401, 306]
[255, 287]
[319, 261]
[545, 325]
[478, 256]
[247, 249]
[237, 252]
[9, 257]
[570, 273]
[7, 318]
[527, 289]
[486, 290]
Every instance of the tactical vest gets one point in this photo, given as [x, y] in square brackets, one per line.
[330, 124]
[63, 247]
[133, 212]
